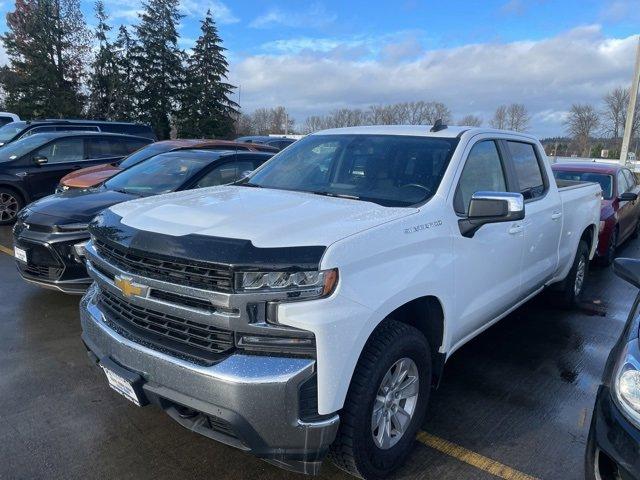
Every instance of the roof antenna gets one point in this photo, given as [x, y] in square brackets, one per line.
[438, 125]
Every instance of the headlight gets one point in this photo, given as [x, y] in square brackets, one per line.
[299, 284]
[627, 381]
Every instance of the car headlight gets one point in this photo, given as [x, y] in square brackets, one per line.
[79, 251]
[309, 284]
[627, 381]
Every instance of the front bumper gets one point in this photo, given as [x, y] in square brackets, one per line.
[253, 400]
[613, 449]
[52, 263]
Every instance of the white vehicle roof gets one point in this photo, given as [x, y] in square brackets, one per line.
[452, 131]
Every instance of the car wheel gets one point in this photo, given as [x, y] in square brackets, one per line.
[386, 402]
[10, 204]
[636, 231]
[573, 285]
[610, 256]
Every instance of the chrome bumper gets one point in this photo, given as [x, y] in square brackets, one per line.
[257, 395]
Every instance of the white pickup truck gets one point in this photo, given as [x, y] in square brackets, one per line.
[310, 308]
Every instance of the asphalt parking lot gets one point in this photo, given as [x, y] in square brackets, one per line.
[515, 402]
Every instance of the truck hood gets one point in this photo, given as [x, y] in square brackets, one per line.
[266, 217]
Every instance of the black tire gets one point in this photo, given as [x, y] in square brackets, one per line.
[610, 256]
[354, 449]
[636, 231]
[11, 203]
[570, 293]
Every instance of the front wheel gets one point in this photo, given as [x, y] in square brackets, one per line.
[573, 285]
[608, 258]
[10, 204]
[386, 402]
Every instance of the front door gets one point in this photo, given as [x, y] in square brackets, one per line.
[488, 265]
[63, 156]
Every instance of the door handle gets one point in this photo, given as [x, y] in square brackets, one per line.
[556, 215]
[515, 229]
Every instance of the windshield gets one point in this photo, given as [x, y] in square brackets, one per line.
[10, 130]
[22, 147]
[385, 169]
[605, 181]
[144, 153]
[163, 173]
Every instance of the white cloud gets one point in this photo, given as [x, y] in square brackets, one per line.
[311, 16]
[221, 11]
[546, 75]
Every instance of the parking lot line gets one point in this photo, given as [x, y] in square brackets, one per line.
[471, 458]
[6, 250]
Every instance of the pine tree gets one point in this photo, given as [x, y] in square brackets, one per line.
[158, 64]
[207, 110]
[124, 103]
[48, 45]
[104, 78]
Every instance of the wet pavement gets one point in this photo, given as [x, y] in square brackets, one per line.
[520, 394]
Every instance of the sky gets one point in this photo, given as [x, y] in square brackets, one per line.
[316, 56]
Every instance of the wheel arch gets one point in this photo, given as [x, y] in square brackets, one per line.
[590, 235]
[20, 191]
[427, 315]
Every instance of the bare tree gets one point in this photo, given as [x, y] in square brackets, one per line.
[615, 111]
[499, 119]
[471, 121]
[518, 117]
[314, 123]
[581, 124]
[264, 121]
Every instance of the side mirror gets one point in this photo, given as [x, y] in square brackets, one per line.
[628, 197]
[491, 207]
[40, 160]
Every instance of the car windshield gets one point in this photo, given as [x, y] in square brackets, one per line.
[23, 146]
[10, 130]
[163, 173]
[390, 170]
[605, 181]
[144, 153]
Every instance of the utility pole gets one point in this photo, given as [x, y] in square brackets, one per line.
[633, 98]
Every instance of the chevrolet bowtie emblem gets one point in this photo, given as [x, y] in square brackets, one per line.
[128, 287]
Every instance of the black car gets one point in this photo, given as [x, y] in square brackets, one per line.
[17, 130]
[50, 234]
[32, 167]
[278, 142]
[613, 448]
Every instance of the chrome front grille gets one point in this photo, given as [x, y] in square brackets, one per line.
[162, 331]
[194, 274]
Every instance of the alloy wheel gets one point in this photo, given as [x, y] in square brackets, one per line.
[395, 403]
[8, 206]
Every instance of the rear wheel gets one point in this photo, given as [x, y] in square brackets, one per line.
[10, 204]
[573, 285]
[386, 403]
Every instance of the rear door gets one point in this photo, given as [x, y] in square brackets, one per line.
[63, 155]
[627, 211]
[543, 215]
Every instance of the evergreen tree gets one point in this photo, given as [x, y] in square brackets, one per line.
[104, 78]
[48, 44]
[124, 102]
[207, 110]
[158, 64]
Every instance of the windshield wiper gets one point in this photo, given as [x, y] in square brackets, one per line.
[337, 195]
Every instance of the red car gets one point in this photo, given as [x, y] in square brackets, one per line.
[620, 213]
[92, 176]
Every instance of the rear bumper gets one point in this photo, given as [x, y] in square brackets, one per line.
[613, 449]
[246, 401]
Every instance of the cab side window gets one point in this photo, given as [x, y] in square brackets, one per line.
[483, 171]
[226, 173]
[527, 169]
[63, 150]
